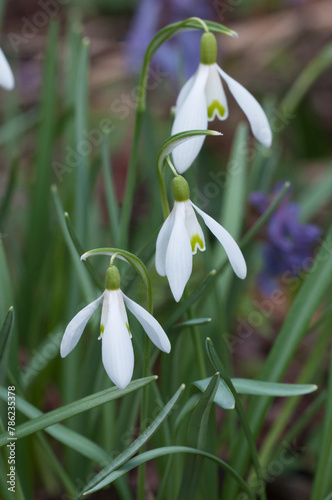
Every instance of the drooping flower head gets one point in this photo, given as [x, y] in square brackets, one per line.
[115, 334]
[289, 243]
[202, 99]
[181, 236]
[178, 52]
[6, 74]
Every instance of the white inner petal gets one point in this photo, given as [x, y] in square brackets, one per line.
[179, 255]
[215, 96]
[194, 229]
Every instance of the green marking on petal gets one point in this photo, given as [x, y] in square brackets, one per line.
[128, 329]
[196, 240]
[216, 105]
[102, 328]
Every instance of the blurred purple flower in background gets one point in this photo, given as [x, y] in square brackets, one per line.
[180, 53]
[289, 242]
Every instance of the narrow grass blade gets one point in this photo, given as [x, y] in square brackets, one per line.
[260, 388]
[316, 196]
[223, 397]
[232, 213]
[217, 364]
[193, 322]
[81, 271]
[112, 207]
[197, 437]
[38, 216]
[324, 467]
[102, 478]
[310, 295]
[5, 204]
[81, 127]
[96, 279]
[5, 337]
[68, 437]
[75, 408]
[171, 450]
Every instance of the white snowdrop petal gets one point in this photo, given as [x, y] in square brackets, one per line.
[216, 101]
[232, 249]
[75, 328]
[179, 255]
[194, 229]
[252, 109]
[192, 115]
[117, 348]
[162, 243]
[6, 74]
[183, 94]
[151, 326]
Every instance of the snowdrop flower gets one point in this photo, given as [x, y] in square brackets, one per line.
[180, 237]
[117, 348]
[203, 98]
[6, 74]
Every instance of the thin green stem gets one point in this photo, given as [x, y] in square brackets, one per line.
[171, 166]
[161, 37]
[198, 346]
[144, 416]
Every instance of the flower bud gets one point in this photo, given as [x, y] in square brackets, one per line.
[180, 188]
[209, 48]
[112, 278]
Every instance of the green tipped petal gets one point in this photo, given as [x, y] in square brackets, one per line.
[195, 241]
[216, 106]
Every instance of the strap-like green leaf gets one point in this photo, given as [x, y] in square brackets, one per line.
[193, 322]
[102, 478]
[223, 397]
[260, 388]
[75, 408]
[171, 450]
[256, 388]
[5, 336]
[70, 438]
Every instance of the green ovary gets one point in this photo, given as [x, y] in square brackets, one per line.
[216, 105]
[196, 240]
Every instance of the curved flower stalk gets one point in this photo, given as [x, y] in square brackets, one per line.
[6, 74]
[181, 236]
[202, 99]
[117, 348]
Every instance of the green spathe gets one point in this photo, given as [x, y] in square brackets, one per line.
[181, 189]
[209, 48]
[112, 278]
